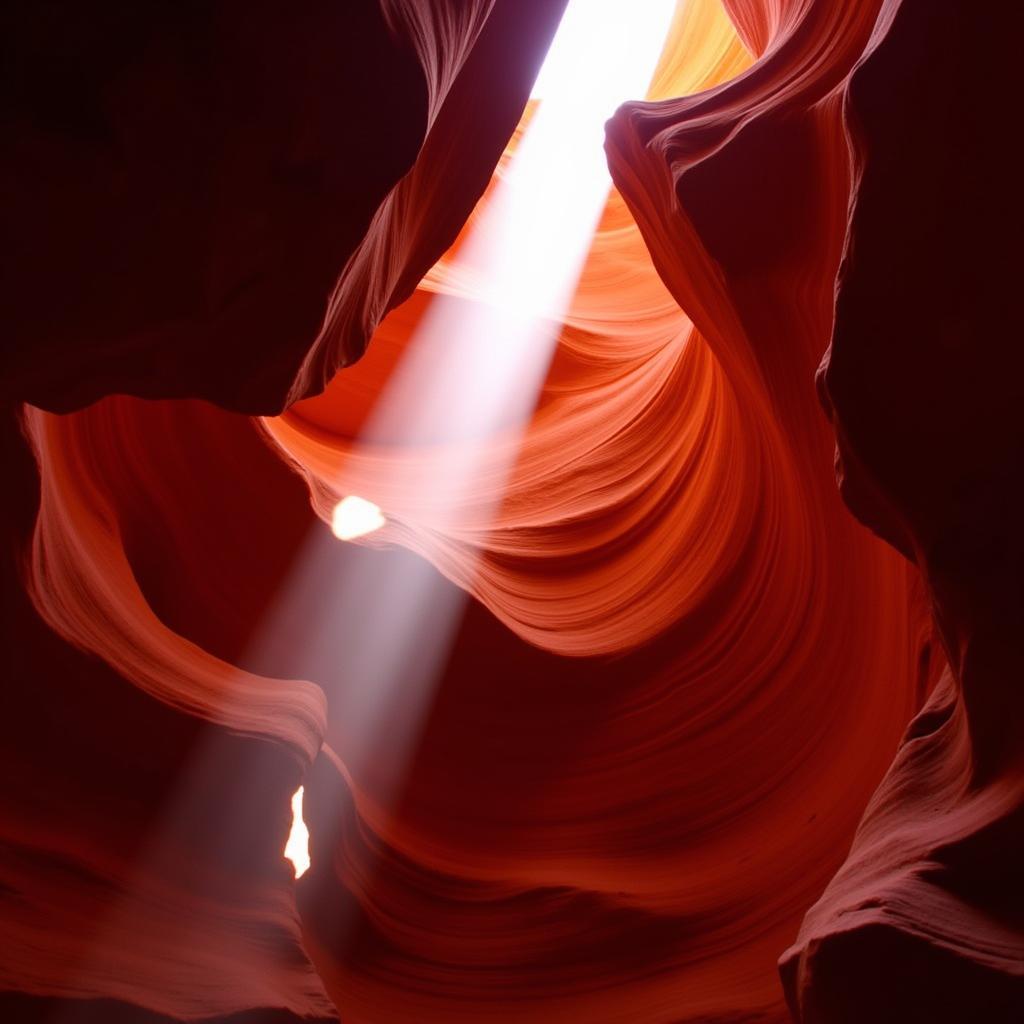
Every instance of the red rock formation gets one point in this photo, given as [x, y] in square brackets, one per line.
[930, 444]
[923, 383]
[193, 180]
[705, 514]
[135, 874]
[495, 854]
[688, 667]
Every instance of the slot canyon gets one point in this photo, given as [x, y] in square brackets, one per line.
[514, 513]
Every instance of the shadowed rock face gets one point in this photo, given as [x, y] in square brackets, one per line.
[923, 381]
[192, 180]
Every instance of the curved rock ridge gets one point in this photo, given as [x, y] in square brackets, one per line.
[741, 194]
[193, 180]
[137, 880]
[475, 96]
[81, 582]
[928, 903]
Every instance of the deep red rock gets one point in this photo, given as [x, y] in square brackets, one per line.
[923, 381]
[193, 179]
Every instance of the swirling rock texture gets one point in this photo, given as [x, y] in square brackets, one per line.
[687, 667]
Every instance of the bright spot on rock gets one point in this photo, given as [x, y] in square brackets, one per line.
[297, 847]
[354, 517]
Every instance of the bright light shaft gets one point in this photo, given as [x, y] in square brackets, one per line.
[612, 32]
[297, 847]
[476, 365]
[542, 221]
[465, 390]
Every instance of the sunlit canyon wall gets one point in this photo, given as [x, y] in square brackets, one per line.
[689, 679]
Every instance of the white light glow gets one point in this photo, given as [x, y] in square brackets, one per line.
[602, 36]
[297, 847]
[355, 517]
[529, 248]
